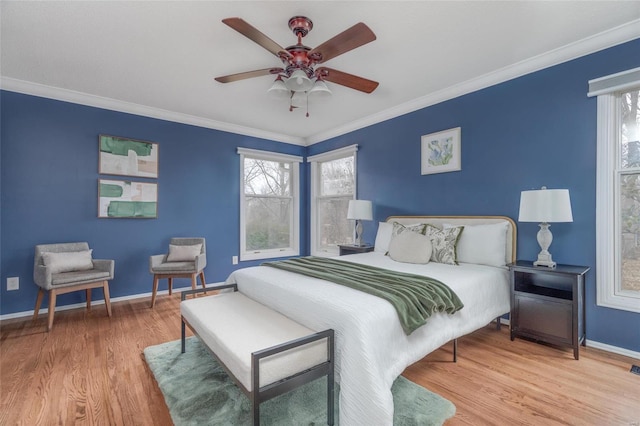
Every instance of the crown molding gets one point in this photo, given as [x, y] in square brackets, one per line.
[618, 35]
[592, 44]
[72, 96]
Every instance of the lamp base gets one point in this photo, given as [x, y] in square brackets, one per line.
[544, 259]
[357, 241]
[544, 239]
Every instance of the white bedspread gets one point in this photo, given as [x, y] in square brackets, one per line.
[371, 347]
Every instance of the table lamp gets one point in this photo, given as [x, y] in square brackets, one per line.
[545, 206]
[359, 210]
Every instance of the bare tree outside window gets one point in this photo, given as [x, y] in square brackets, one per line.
[268, 195]
[629, 190]
[336, 188]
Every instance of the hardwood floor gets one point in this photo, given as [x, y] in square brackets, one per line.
[90, 370]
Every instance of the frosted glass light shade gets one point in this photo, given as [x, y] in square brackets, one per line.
[278, 90]
[298, 99]
[360, 210]
[545, 205]
[299, 82]
[320, 90]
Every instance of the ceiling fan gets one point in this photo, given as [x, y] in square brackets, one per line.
[298, 73]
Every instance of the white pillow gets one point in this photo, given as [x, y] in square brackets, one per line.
[383, 237]
[68, 261]
[183, 253]
[410, 247]
[483, 244]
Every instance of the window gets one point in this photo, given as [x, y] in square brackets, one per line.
[269, 204]
[333, 184]
[618, 190]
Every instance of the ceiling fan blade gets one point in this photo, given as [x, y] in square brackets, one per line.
[348, 80]
[347, 40]
[249, 31]
[249, 74]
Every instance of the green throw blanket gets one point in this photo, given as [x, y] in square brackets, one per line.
[415, 297]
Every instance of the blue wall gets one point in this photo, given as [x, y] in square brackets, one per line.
[536, 130]
[539, 129]
[49, 193]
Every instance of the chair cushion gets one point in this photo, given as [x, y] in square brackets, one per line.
[68, 261]
[179, 253]
[175, 267]
[77, 277]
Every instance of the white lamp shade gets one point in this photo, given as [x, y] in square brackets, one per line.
[278, 90]
[299, 81]
[298, 99]
[320, 90]
[360, 210]
[545, 205]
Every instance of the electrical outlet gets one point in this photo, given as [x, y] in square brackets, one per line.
[234, 260]
[13, 283]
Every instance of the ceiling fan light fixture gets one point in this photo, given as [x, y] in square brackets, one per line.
[298, 99]
[320, 90]
[298, 81]
[279, 90]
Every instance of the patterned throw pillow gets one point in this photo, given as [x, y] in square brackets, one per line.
[444, 243]
[399, 228]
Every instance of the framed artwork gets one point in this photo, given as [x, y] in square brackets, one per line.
[126, 199]
[127, 157]
[441, 152]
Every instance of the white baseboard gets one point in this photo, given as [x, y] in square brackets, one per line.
[505, 321]
[614, 349]
[45, 310]
[597, 345]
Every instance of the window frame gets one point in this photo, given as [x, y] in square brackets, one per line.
[316, 160]
[608, 173]
[294, 226]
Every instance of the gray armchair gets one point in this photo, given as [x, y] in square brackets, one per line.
[77, 271]
[176, 265]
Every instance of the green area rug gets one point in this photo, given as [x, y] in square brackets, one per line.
[199, 392]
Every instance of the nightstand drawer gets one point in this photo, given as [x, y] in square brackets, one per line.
[544, 317]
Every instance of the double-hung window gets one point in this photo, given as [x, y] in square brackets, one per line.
[618, 190]
[269, 204]
[333, 184]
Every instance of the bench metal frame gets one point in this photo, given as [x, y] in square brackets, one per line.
[258, 394]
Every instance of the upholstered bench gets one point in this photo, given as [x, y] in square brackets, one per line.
[266, 353]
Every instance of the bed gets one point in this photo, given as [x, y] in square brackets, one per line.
[371, 348]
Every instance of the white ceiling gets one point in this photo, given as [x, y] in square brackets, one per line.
[159, 58]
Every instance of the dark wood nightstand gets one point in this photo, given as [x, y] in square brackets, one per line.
[351, 249]
[547, 304]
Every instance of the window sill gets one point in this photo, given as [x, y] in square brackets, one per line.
[269, 254]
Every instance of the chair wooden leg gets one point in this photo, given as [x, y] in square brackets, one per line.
[193, 281]
[170, 285]
[88, 299]
[52, 308]
[36, 311]
[107, 299]
[155, 290]
[202, 279]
